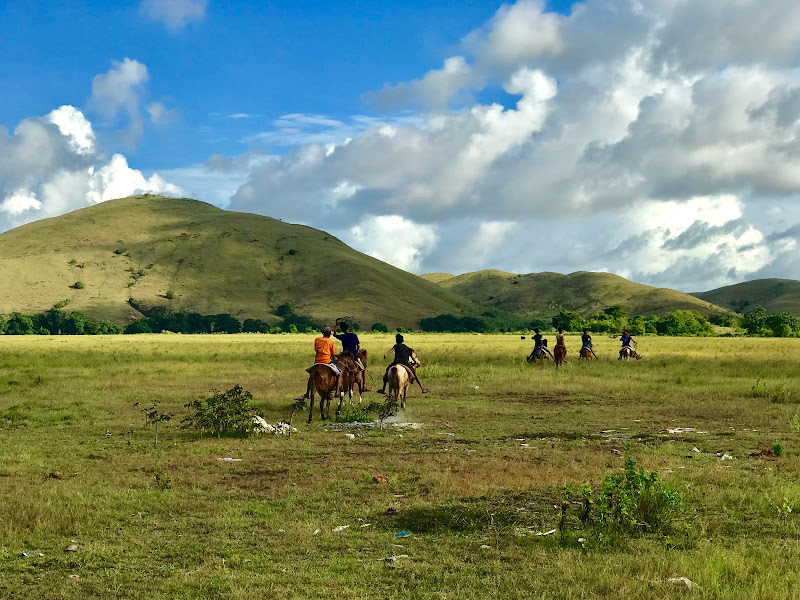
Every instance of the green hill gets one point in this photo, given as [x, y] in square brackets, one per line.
[192, 256]
[582, 292]
[776, 295]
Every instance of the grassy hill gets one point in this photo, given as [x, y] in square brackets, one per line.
[776, 295]
[190, 255]
[583, 292]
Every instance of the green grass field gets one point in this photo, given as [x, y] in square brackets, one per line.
[474, 484]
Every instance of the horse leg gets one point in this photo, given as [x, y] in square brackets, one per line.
[311, 401]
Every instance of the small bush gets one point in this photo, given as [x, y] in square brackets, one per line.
[227, 412]
[380, 328]
[353, 414]
[78, 285]
[777, 448]
[634, 502]
[169, 295]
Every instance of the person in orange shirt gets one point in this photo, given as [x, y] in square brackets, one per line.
[324, 348]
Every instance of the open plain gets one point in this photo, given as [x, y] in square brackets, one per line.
[472, 486]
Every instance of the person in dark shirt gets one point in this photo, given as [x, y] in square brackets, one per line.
[350, 343]
[402, 356]
[586, 340]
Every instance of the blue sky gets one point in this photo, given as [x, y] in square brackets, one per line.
[657, 140]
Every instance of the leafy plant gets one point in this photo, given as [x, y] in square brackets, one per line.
[630, 503]
[384, 410]
[777, 448]
[163, 480]
[227, 412]
[78, 285]
[353, 414]
[152, 416]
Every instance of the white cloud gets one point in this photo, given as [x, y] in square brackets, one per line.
[175, 14]
[118, 91]
[393, 239]
[52, 165]
[160, 114]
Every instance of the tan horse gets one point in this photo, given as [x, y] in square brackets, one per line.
[399, 379]
[323, 381]
[559, 355]
[585, 353]
[627, 353]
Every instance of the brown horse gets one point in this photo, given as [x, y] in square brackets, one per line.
[351, 378]
[559, 355]
[585, 353]
[323, 381]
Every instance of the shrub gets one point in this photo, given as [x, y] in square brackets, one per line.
[634, 502]
[169, 295]
[380, 328]
[227, 412]
[78, 285]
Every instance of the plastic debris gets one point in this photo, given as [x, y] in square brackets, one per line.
[350, 436]
[402, 534]
[695, 449]
[393, 558]
[260, 425]
[73, 547]
[366, 525]
[317, 531]
[683, 582]
[27, 554]
[724, 456]
[551, 532]
[485, 547]
[340, 528]
[229, 459]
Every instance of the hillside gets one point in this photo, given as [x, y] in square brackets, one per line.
[208, 260]
[776, 295]
[583, 292]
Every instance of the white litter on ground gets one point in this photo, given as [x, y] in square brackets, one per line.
[229, 459]
[280, 428]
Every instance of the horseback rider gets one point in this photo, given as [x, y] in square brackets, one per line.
[586, 340]
[402, 356]
[350, 343]
[627, 342]
[325, 354]
[537, 343]
[560, 341]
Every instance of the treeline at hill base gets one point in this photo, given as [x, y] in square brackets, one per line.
[158, 319]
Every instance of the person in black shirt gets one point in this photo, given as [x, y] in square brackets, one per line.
[586, 340]
[402, 356]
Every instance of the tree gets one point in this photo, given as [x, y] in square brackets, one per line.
[755, 321]
[380, 328]
[570, 321]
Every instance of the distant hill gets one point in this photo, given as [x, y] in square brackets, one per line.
[189, 255]
[776, 295]
[582, 292]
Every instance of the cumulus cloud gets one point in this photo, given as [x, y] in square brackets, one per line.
[117, 92]
[160, 114]
[647, 133]
[394, 239]
[52, 165]
[175, 14]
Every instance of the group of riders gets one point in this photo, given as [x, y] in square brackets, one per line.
[354, 358]
[541, 351]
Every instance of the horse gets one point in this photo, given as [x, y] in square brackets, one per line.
[585, 353]
[399, 377]
[559, 355]
[351, 378]
[627, 353]
[542, 353]
[325, 382]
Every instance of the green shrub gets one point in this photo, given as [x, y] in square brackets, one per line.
[353, 414]
[229, 412]
[380, 328]
[78, 285]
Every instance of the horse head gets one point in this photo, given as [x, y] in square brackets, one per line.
[414, 361]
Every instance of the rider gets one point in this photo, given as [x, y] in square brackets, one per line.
[627, 340]
[325, 353]
[351, 344]
[402, 356]
[586, 339]
[560, 341]
[537, 342]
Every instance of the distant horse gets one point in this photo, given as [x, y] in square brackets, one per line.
[628, 352]
[399, 376]
[559, 355]
[325, 382]
[585, 353]
[540, 353]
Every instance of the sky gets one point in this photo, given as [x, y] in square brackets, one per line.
[658, 139]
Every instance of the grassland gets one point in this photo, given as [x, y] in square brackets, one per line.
[583, 292]
[474, 485]
[192, 256]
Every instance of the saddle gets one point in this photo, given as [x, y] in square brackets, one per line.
[332, 366]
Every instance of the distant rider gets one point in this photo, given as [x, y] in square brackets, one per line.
[626, 340]
[560, 341]
[586, 340]
[402, 356]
